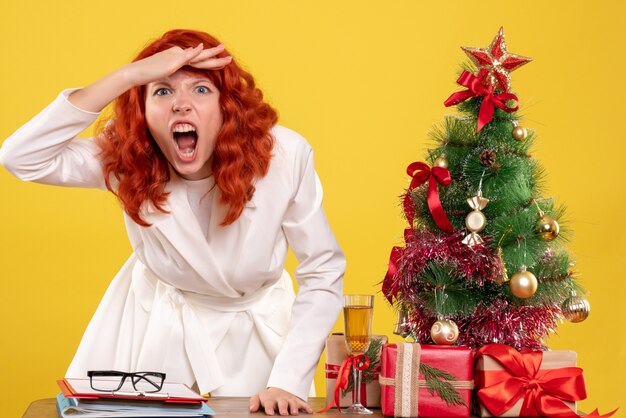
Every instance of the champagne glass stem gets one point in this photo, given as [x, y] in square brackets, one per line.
[356, 388]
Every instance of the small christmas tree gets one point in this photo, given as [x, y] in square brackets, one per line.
[483, 260]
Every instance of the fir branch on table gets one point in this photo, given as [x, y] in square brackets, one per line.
[438, 381]
[367, 375]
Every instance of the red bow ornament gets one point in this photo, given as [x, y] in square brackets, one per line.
[420, 173]
[544, 392]
[390, 283]
[476, 88]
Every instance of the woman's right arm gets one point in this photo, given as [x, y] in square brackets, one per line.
[46, 150]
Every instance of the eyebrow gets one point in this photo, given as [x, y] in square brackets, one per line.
[166, 83]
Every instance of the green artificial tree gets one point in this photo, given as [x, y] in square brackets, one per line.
[483, 260]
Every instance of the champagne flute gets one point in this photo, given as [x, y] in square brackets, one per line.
[357, 315]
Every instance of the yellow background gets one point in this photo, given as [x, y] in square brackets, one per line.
[364, 83]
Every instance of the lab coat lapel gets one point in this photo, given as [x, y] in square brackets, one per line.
[214, 258]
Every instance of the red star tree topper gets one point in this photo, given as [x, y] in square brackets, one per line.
[495, 62]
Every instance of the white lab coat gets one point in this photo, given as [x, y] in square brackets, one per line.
[216, 311]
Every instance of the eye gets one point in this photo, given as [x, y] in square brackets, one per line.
[202, 89]
[162, 91]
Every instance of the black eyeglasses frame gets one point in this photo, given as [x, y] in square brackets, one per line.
[156, 379]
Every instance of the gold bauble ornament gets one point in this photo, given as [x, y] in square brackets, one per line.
[576, 308]
[523, 284]
[441, 162]
[444, 332]
[519, 133]
[547, 228]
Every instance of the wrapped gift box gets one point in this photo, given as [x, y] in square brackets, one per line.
[404, 389]
[508, 381]
[336, 352]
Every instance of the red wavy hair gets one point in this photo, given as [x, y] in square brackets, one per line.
[242, 152]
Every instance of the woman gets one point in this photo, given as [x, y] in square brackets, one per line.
[213, 193]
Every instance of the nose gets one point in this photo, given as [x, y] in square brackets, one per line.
[181, 104]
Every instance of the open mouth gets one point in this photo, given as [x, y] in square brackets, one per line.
[186, 139]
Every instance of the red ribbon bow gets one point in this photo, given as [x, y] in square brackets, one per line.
[420, 172]
[390, 286]
[543, 391]
[477, 88]
[359, 362]
[332, 372]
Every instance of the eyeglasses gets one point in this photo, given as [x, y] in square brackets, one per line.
[113, 380]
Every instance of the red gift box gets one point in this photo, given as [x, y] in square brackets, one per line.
[404, 390]
[336, 352]
[532, 384]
